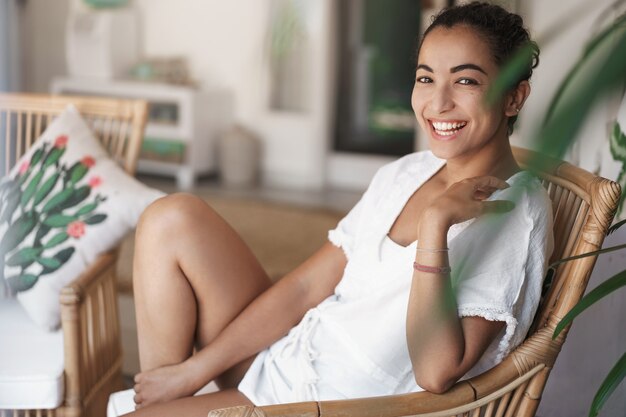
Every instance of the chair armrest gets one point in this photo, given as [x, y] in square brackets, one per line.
[494, 388]
[91, 332]
[387, 406]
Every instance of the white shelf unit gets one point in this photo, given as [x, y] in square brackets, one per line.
[194, 121]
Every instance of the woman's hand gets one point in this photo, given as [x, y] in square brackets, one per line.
[464, 200]
[162, 384]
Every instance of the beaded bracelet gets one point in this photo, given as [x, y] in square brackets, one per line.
[431, 269]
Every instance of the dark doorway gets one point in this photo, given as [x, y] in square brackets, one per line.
[378, 41]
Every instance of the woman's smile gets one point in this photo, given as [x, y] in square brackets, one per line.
[446, 129]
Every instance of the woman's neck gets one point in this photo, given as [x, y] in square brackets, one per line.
[496, 161]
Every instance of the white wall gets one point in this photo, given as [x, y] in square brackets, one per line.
[10, 73]
[225, 43]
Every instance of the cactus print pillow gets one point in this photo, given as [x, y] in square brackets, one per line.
[64, 203]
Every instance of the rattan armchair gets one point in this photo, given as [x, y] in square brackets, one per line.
[89, 313]
[583, 205]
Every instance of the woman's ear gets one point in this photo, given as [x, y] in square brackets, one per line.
[516, 98]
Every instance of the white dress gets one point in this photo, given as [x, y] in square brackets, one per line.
[353, 344]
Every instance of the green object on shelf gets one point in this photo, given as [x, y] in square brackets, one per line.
[166, 150]
[103, 4]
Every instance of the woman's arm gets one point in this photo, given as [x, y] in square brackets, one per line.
[442, 346]
[269, 317]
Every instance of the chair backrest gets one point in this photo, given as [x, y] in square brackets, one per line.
[583, 206]
[117, 123]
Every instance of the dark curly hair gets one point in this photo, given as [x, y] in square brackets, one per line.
[502, 30]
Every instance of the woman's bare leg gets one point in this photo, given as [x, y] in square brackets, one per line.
[194, 406]
[192, 275]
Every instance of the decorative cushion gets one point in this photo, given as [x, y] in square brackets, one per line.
[64, 203]
[31, 361]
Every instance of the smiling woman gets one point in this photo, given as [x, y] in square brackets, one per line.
[433, 276]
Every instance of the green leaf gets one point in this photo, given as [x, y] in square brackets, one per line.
[50, 264]
[56, 240]
[96, 218]
[587, 254]
[77, 172]
[88, 208]
[510, 74]
[22, 282]
[616, 226]
[599, 71]
[613, 379]
[59, 220]
[18, 231]
[78, 196]
[57, 200]
[53, 156]
[617, 142]
[22, 178]
[601, 291]
[41, 233]
[569, 81]
[46, 188]
[31, 188]
[24, 257]
[13, 203]
[36, 156]
[62, 256]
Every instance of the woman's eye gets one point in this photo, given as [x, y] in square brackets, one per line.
[424, 80]
[467, 81]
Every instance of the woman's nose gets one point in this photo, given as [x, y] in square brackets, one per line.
[441, 100]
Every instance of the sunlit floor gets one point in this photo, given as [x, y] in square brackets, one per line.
[340, 200]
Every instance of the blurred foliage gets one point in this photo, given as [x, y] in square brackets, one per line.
[600, 71]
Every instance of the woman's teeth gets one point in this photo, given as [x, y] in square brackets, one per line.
[448, 128]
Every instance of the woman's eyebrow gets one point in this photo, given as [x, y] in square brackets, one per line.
[466, 67]
[455, 69]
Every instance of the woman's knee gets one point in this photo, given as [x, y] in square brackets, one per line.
[173, 214]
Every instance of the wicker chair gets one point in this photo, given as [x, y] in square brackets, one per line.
[89, 317]
[583, 205]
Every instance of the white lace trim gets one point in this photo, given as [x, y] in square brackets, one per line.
[494, 314]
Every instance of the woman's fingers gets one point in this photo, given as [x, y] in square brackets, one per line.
[483, 187]
[467, 199]
[489, 182]
[487, 185]
[497, 206]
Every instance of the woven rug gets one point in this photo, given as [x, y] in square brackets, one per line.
[281, 236]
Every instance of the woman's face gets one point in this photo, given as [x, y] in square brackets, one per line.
[455, 68]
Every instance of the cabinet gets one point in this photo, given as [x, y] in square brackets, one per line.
[183, 123]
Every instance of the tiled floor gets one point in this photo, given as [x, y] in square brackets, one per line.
[338, 200]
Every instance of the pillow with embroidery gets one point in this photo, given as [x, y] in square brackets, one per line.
[65, 202]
